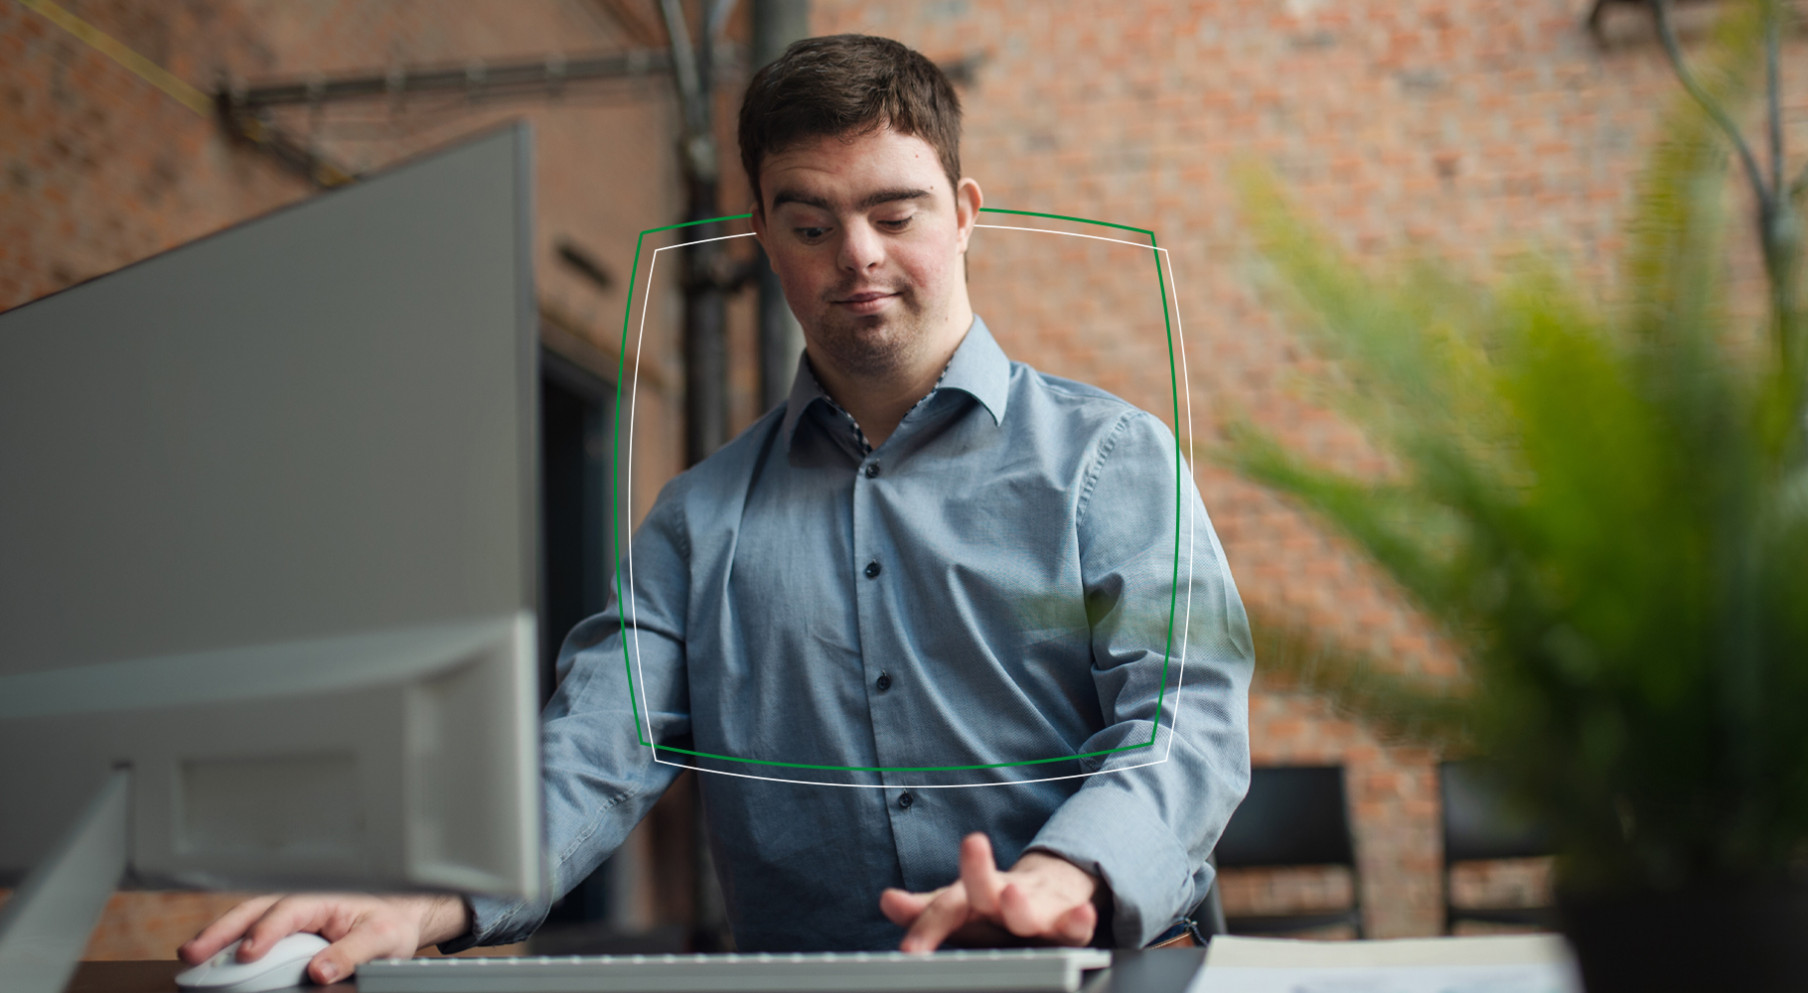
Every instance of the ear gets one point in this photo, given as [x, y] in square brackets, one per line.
[967, 200]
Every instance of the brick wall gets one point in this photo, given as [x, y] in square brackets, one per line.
[1467, 128]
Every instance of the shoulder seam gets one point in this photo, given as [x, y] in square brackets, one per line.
[1085, 392]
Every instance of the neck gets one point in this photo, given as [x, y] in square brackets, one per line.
[879, 402]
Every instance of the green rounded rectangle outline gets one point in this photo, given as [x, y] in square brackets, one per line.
[616, 507]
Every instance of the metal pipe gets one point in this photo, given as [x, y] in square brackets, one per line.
[776, 24]
[705, 310]
[477, 78]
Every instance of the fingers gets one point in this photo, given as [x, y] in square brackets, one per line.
[378, 933]
[1044, 898]
[286, 916]
[979, 873]
[360, 928]
[1059, 924]
[1045, 919]
[225, 930]
[903, 907]
[944, 915]
[1076, 927]
[1019, 913]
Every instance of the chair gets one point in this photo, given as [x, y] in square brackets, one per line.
[1479, 827]
[1293, 816]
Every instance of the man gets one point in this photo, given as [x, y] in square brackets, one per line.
[913, 623]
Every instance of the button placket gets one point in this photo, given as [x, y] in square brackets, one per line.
[878, 647]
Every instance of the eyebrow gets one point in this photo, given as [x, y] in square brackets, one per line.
[870, 201]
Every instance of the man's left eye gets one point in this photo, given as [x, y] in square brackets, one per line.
[896, 224]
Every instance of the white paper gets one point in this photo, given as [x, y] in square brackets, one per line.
[1503, 964]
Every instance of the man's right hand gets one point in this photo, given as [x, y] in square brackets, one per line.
[360, 926]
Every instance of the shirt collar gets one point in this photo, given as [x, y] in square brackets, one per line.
[979, 368]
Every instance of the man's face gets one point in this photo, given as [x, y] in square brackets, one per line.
[866, 235]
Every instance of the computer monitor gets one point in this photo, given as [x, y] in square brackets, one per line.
[268, 559]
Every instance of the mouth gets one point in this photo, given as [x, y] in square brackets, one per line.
[864, 302]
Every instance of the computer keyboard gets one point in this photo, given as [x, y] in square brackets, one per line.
[1021, 969]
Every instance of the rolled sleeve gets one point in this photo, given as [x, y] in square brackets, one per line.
[1117, 836]
[495, 922]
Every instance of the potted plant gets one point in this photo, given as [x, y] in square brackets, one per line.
[1604, 509]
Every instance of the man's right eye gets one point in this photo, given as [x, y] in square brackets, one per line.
[811, 234]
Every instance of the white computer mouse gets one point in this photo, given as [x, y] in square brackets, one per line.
[283, 966]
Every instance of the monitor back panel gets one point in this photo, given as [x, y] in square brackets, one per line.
[274, 472]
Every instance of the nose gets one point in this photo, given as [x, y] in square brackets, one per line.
[861, 248]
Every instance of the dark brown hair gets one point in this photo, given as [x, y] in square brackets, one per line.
[846, 86]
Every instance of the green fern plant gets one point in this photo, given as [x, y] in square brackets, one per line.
[1604, 508]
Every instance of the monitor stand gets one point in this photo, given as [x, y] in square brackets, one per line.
[44, 928]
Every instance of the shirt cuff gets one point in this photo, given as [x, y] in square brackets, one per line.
[495, 922]
[1116, 835]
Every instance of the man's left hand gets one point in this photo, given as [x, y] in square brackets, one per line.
[1043, 899]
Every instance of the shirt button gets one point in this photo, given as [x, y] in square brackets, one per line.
[872, 469]
[884, 682]
[905, 800]
[872, 570]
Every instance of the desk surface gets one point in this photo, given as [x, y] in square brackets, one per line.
[1164, 970]
[146, 977]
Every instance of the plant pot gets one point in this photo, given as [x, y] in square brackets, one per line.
[1750, 939]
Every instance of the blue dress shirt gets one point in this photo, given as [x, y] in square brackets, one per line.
[871, 653]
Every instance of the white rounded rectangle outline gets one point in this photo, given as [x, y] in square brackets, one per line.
[626, 513]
